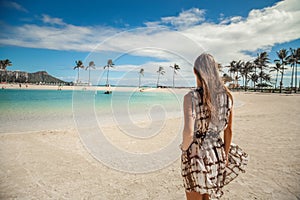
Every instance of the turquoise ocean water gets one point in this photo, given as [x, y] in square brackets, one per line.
[36, 110]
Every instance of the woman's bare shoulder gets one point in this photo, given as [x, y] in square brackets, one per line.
[188, 97]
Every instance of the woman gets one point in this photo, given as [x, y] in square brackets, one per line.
[208, 163]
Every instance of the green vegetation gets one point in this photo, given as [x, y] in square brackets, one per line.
[109, 65]
[141, 73]
[175, 69]
[256, 71]
[79, 65]
[160, 71]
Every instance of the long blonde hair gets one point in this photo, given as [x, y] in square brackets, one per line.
[206, 71]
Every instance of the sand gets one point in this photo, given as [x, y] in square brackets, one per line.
[92, 88]
[54, 164]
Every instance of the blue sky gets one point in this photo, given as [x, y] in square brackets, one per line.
[51, 35]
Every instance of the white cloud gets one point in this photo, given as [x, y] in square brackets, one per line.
[14, 5]
[260, 30]
[152, 24]
[52, 20]
[234, 19]
[66, 37]
[185, 19]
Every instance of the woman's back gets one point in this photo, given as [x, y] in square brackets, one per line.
[204, 123]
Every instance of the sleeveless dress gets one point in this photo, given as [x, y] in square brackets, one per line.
[203, 165]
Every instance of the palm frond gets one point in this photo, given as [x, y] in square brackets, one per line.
[141, 71]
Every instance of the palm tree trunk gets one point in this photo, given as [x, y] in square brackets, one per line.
[237, 79]
[5, 76]
[78, 75]
[254, 79]
[292, 77]
[261, 77]
[276, 80]
[158, 80]
[296, 78]
[281, 83]
[245, 85]
[89, 75]
[173, 77]
[244, 82]
[281, 80]
[140, 80]
[254, 85]
[107, 84]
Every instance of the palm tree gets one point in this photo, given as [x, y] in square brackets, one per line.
[239, 66]
[235, 67]
[232, 69]
[3, 65]
[175, 69]
[160, 71]
[276, 68]
[293, 60]
[282, 55]
[91, 65]
[226, 78]
[110, 64]
[254, 78]
[261, 62]
[246, 69]
[266, 77]
[297, 62]
[141, 73]
[79, 65]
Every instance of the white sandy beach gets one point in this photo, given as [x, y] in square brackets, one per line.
[54, 164]
[66, 87]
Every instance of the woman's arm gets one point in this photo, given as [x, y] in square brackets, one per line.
[228, 135]
[188, 130]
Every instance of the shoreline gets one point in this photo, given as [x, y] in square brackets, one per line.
[88, 88]
[181, 90]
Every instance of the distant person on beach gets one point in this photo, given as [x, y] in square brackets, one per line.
[207, 162]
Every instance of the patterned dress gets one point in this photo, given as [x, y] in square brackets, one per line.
[203, 165]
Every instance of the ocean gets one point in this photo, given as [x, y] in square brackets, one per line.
[38, 110]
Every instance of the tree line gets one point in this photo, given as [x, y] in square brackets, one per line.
[161, 71]
[257, 71]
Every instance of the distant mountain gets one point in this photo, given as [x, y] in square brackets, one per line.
[24, 77]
